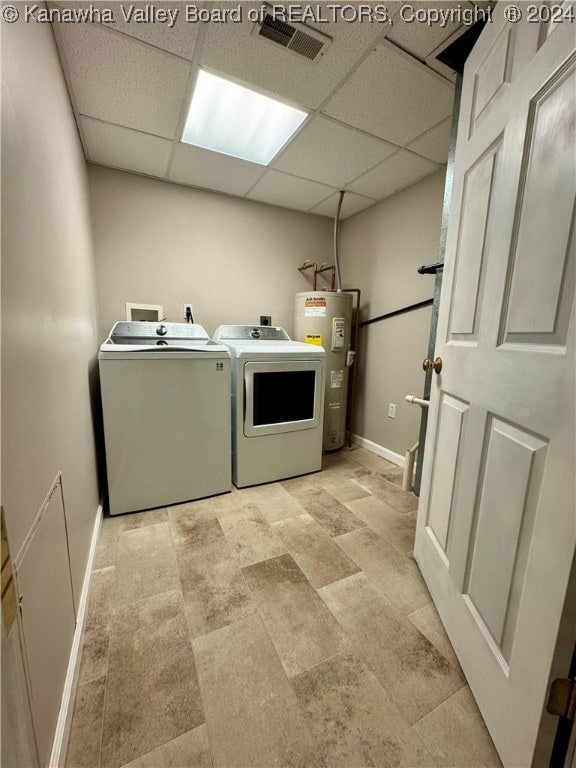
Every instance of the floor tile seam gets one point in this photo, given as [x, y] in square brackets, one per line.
[387, 599]
[389, 692]
[336, 581]
[143, 527]
[442, 703]
[405, 555]
[175, 548]
[193, 657]
[103, 712]
[369, 525]
[391, 543]
[160, 746]
[347, 649]
[207, 721]
[390, 504]
[408, 615]
[265, 625]
[119, 606]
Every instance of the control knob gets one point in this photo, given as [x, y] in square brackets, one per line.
[161, 330]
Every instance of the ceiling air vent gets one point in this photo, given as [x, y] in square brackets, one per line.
[298, 38]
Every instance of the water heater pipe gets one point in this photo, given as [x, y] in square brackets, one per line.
[309, 265]
[326, 269]
[352, 374]
[336, 244]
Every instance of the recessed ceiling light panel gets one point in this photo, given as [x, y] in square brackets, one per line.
[234, 120]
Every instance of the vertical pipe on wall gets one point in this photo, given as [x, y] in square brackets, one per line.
[336, 243]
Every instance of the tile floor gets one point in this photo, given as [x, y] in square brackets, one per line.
[283, 625]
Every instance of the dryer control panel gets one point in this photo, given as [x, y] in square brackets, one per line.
[250, 332]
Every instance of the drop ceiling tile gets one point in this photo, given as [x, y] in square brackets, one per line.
[393, 174]
[392, 96]
[420, 38]
[124, 148]
[145, 21]
[332, 153]
[232, 49]
[121, 80]
[351, 204]
[212, 170]
[289, 191]
[434, 144]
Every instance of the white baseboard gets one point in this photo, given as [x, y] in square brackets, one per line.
[60, 743]
[379, 450]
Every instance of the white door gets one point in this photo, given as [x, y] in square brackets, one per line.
[496, 523]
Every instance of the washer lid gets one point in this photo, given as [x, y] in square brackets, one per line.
[162, 349]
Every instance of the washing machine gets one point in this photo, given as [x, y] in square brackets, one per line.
[166, 408]
[277, 404]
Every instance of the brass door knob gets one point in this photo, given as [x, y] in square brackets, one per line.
[428, 364]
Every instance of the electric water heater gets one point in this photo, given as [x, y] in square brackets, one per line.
[325, 318]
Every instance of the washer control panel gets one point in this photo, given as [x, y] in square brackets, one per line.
[139, 330]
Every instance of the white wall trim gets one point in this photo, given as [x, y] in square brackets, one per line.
[60, 743]
[379, 450]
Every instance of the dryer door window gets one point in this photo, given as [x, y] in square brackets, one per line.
[282, 397]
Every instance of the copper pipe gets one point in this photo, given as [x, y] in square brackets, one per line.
[327, 269]
[352, 374]
[310, 265]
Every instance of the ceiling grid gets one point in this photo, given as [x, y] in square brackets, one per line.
[378, 114]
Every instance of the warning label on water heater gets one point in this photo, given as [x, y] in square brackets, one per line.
[315, 306]
[314, 338]
[336, 379]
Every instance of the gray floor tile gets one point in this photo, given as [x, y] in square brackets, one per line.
[402, 501]
[455, 734]
[395, 574]
[426, 619]
[414, 673]
[275, 502]
[94, 662]
[353, 718]
[191, 750]
[194, 523]
[215, 593]
[152, 692]
[250, 535]
[369, 460]
[252, 715]
[86, 729]
[343, 490]
[328, 512]
[302, 629]
[398, 530]
[107, 547]
[320, 559]
[146, 563]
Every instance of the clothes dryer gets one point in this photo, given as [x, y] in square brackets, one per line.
[277, 404]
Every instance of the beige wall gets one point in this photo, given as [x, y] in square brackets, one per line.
[160, 243]
[381, 249]
[49, 322]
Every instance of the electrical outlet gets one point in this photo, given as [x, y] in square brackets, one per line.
[265, 319]
[392, 410]
[188, 313]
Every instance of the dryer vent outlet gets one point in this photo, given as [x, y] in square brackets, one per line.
[265, 319]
